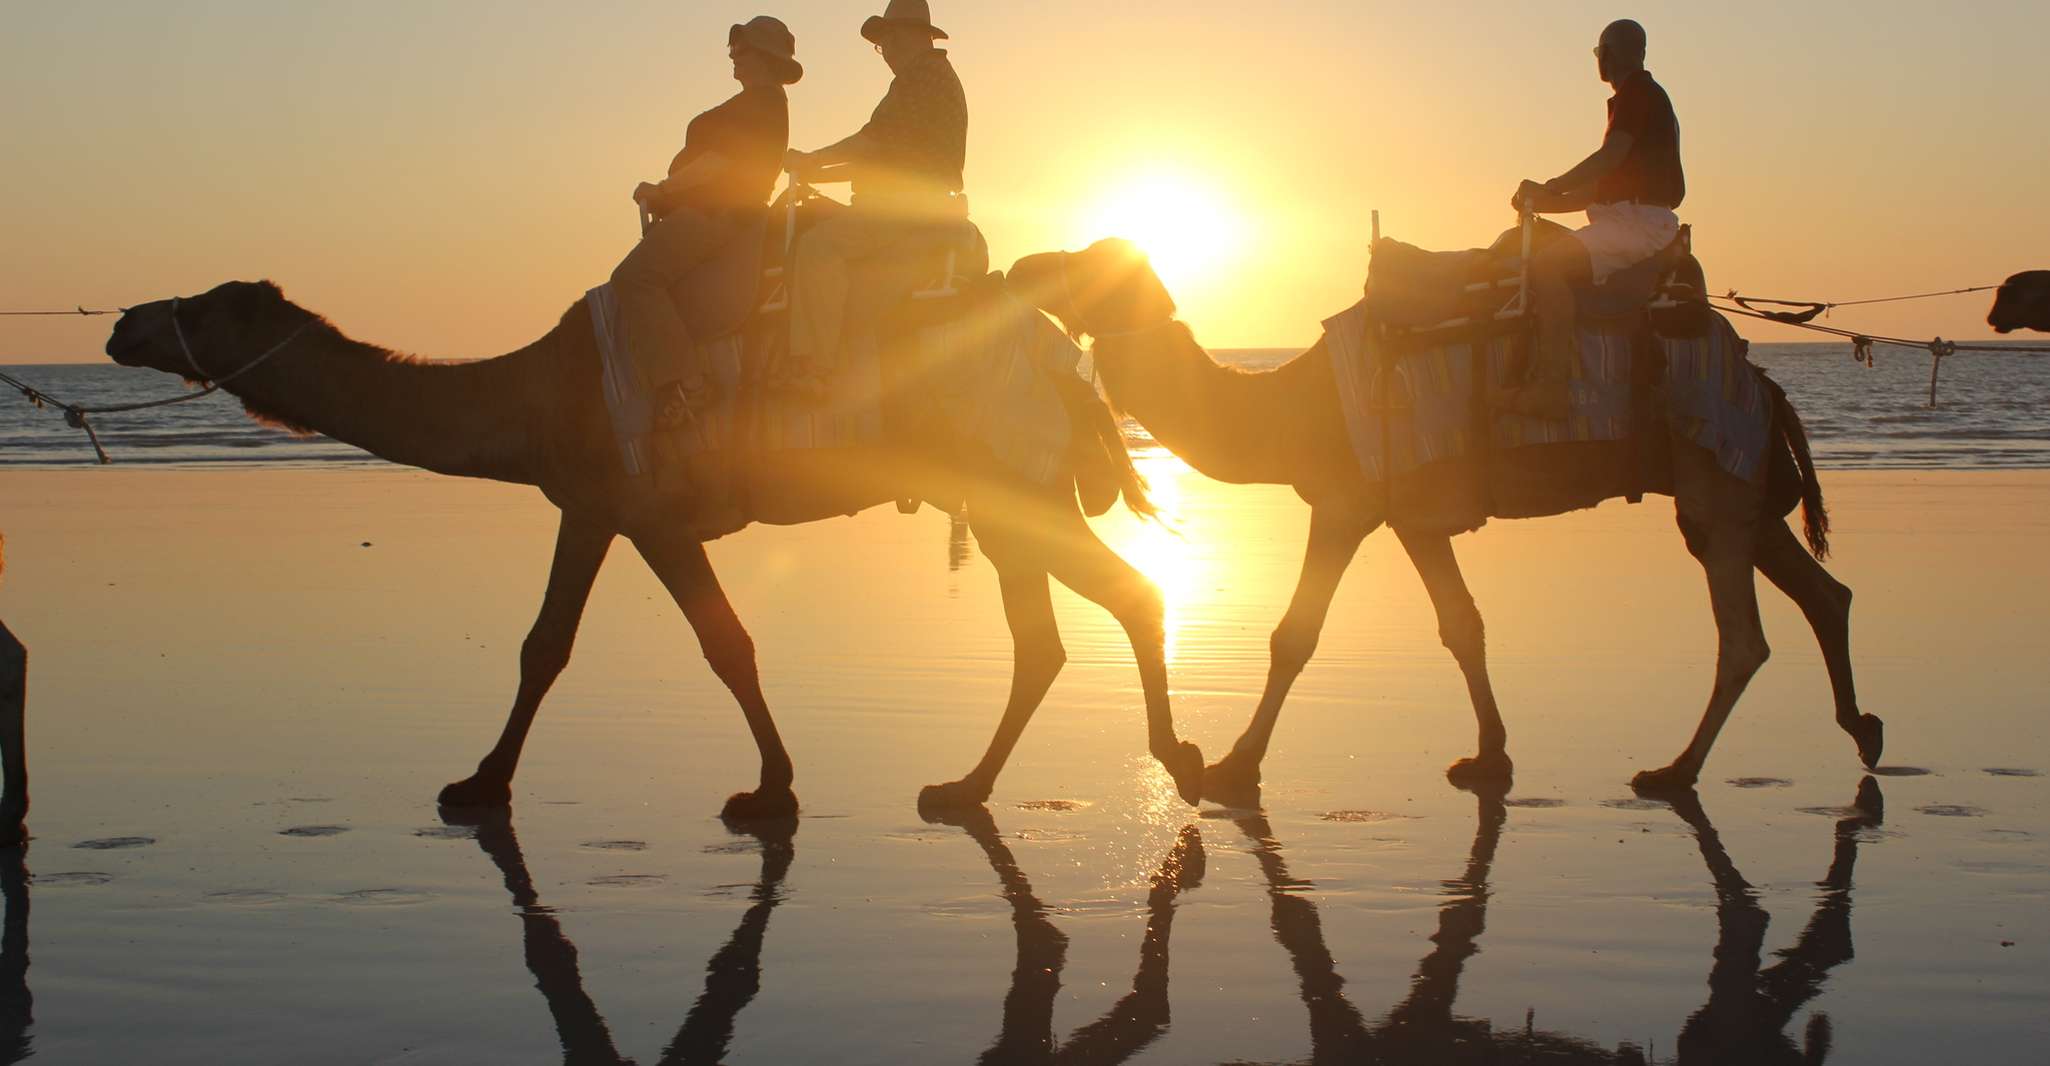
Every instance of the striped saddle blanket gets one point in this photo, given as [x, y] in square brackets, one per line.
[986, 373]
[1423, 409]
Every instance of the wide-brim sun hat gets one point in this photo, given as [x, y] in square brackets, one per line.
[767, 34]
[901, 13]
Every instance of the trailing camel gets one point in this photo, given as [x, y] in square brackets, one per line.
[1286, 427]
[536, 416]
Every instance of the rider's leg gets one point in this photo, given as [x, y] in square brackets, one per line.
[819, 287]
[656, 334]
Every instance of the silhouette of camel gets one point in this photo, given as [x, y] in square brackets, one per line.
[1743, 1021]
[536, 417]
[732, 977]
[1136, 1019]
[13, 749]
[2022, 302]
[1286, 427]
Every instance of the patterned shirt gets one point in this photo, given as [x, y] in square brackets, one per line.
[920, 133]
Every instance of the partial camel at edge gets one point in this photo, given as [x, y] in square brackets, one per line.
[1286, 427]
[13, 728]
[536, 416]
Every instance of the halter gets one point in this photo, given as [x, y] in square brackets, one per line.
[208, 381]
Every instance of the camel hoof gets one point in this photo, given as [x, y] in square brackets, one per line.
[952, 796]
[1870, 733]
[1185, 765]
[1666, 779]
[761, 803]
[475, 791]
[1233, 782]
[1487, 766]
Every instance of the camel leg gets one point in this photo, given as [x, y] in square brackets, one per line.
[580, 548]
[1728, 551]
[1077, 559]
[13, 740]
[1459, 626]
[687, 573]
[1827, 604]
[1334, 536]
[1037, 658]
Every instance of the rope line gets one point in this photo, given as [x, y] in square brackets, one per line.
[73, 311]
[1826, 305]
[1864, 341]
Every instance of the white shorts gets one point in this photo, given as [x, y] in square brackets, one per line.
[1621, 235]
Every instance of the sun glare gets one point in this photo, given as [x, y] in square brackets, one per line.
[1187, 228]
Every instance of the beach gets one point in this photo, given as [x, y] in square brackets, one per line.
[247, 685]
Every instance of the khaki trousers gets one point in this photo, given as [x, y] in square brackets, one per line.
[645, 281]
[823, 277]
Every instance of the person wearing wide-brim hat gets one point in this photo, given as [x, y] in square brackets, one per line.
[721, 180]
[905, 166]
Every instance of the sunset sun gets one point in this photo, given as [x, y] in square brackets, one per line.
[1187, 227]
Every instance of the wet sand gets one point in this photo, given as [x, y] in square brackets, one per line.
[246, 687]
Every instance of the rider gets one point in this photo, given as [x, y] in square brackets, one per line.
[906, 168]
[1629, 187]
[727, 169]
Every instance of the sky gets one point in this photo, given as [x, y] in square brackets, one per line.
[444, 177]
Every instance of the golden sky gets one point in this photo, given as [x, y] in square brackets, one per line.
[444, 177]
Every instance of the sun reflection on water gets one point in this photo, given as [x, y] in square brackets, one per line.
[1160, 550]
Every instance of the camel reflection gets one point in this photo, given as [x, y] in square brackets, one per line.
[1135, 1020]
[1743, 1021]
[732, 977]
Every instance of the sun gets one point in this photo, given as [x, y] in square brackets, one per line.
[1187, 228]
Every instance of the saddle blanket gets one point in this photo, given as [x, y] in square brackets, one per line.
[988, 373]
[1709, 392]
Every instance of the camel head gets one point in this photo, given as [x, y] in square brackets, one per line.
[1106, 288]
[2023, 302]
[225, 328]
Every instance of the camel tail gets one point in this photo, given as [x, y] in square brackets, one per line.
[1814, 514]
[1103, 444]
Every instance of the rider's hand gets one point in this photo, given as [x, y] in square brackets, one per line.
[797, 163]
[1530, 192]
[646, 194]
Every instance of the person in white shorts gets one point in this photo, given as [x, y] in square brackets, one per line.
[1629, 188]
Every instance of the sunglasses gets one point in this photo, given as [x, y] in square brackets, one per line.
[1600, 50]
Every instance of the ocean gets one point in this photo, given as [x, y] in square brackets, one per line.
[1993, 412]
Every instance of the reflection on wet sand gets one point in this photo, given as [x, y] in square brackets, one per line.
[16, 1004]
[1743, 1022]
[1135, 1020]
[732, 977]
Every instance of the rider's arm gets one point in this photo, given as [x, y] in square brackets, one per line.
[1574, 190]
[850, 149]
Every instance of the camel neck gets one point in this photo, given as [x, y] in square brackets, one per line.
[1230, 424]
[467, 419]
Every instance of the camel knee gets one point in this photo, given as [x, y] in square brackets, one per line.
[544, 655]
[1464, 635]
[1142, 611]
[1291, 646]
[1741, 657]
[732, 659]
[1043, 659]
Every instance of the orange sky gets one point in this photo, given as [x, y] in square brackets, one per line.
[445, 177]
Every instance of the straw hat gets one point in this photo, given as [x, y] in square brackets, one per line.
[903, 12]
[770, 37]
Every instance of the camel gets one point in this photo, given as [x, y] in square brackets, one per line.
[536, 416]
[13, 747]
[1286, 427]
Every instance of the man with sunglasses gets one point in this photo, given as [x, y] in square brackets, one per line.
[905, 165]
[1629, 188]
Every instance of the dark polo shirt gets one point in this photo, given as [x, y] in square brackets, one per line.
[1651, 173]
[751, 132]
[920, 131]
